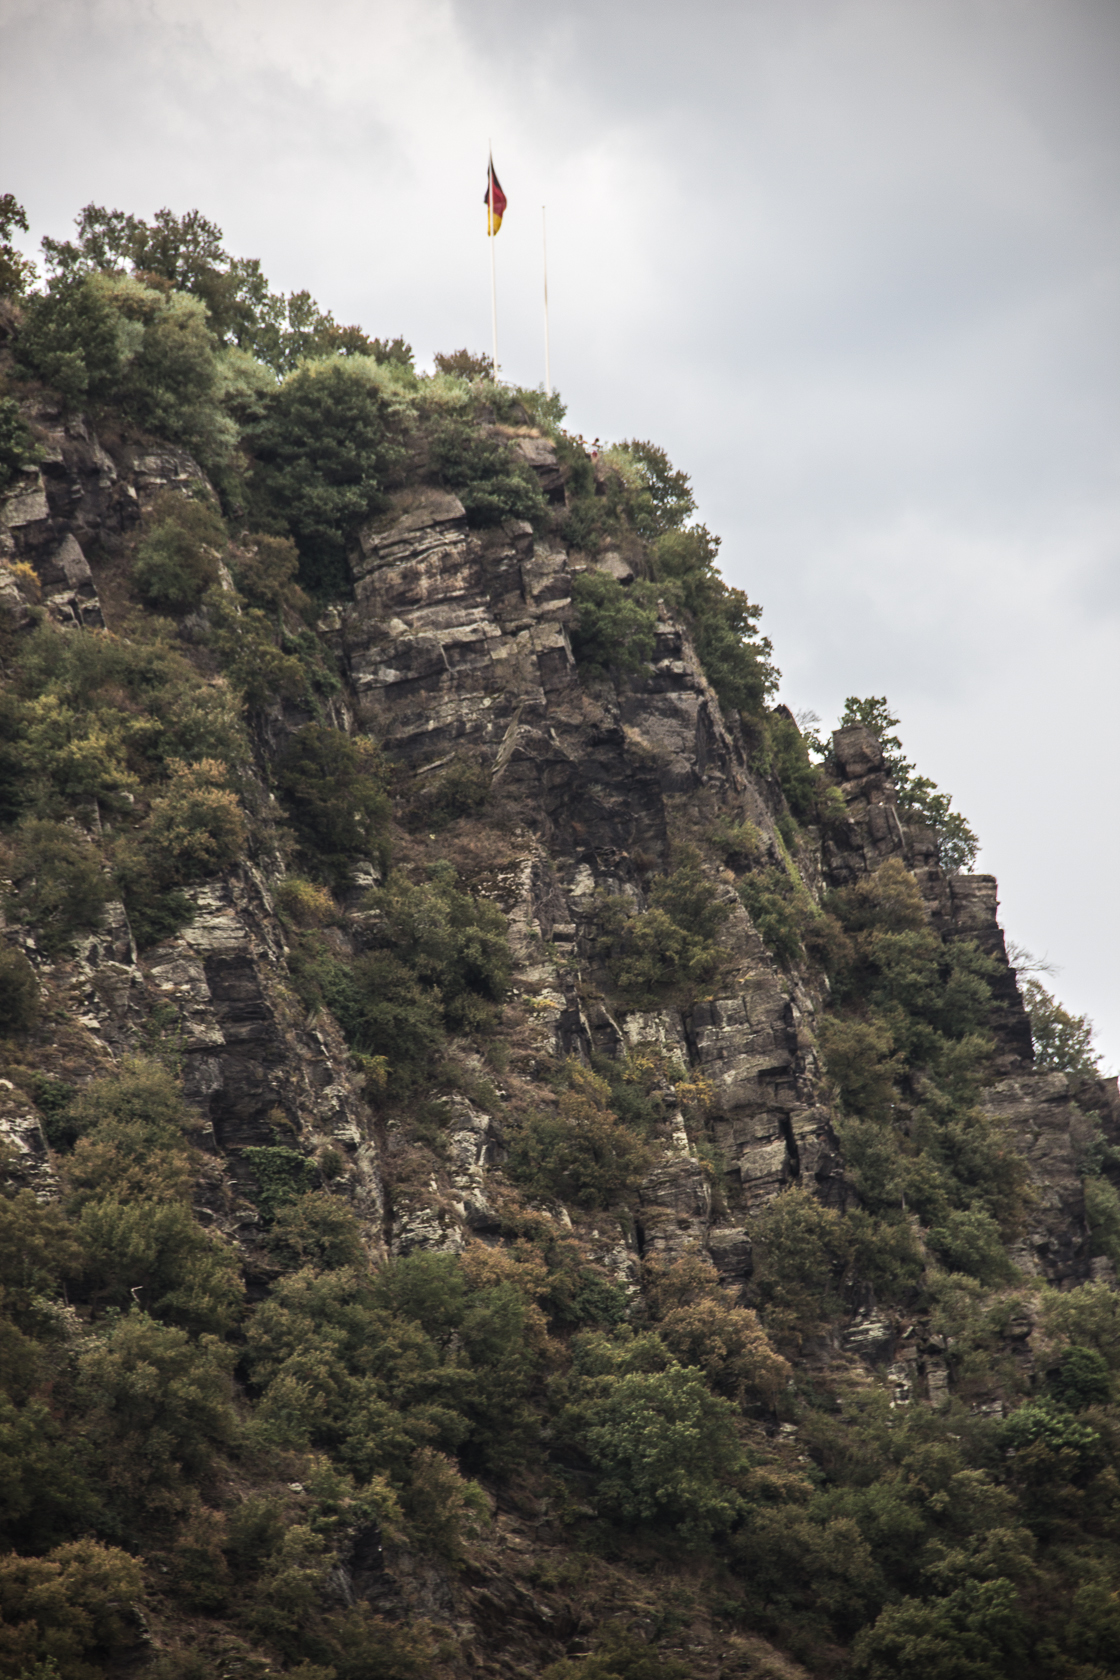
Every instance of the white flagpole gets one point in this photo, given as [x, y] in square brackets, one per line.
[544, 252]
[493, 278]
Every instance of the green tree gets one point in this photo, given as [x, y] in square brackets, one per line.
[16, 270]
[1063, 1043]
[664, 1447]
[492, 484]
[324, 450]
[333, 787]
[179, 557]
[156, 1408]
[72, 1608]
[581, 1152]
[616, 627]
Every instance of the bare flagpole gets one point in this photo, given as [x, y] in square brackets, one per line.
[493, 277]
[544, 252]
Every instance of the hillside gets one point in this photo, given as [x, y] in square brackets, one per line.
[517, 1160]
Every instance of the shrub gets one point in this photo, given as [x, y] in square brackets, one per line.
[157, 1406]
[616, 627]
[767, 895]
[282, 1175]
[61, 888]
[464, 364]
[739, 844]
[179, 558]
[385, 1012]
[323, 452]
[801, 1249]
[316, 1229]
[672, 944]
[333, 787]
[19, 993]
[244, 641]
[17, 446]
[581, 1153]
[453, 942]
[1102, 1213]
[619, 1656]
[460, 791]
[71, 1607]
[196, 828]
[665, 1450]
[492, 485]
[307, 904]
[266, 569]
[969, 1241]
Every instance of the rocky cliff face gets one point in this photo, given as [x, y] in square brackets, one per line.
[457, 642]
[456, 648]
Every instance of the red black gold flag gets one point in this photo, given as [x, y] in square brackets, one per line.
[496, 205]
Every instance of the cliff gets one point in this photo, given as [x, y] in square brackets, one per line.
[583, 801]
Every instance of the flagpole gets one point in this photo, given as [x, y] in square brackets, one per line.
[544, 253]
[493, 275]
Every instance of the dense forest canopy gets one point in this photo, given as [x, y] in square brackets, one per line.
[233, 1416]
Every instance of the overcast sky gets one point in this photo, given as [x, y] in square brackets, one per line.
[854, 263]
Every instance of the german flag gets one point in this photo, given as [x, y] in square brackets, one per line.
[495, 202]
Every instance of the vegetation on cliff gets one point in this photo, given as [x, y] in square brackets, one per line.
[236, 1434]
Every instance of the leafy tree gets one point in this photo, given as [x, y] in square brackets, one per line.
[768, 897]
[698, 1326]
[333, 786]
[1063, 1043]
[664, 1447]
[491, 483]
[179, 557]
[156, 1408]
[976, 1631]
[16, 270]
[324, 449]
[185, 253]
[71, 1608]
[663, 499]
[735, 656]
[1081, 1379]
[616, 628]
[72, 339]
